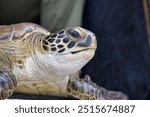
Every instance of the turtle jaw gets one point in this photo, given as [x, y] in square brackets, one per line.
[86, 47]
[87, 53]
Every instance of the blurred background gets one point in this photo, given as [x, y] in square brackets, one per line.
[122, 28]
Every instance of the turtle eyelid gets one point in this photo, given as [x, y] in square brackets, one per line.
[74, 33]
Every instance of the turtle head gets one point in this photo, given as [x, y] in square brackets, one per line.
[70, 49]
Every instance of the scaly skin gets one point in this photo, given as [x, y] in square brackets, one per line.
[85, 89]
[41, 63]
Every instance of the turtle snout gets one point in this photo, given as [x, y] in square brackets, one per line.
[88, 42]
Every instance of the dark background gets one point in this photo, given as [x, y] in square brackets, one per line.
[122, 60]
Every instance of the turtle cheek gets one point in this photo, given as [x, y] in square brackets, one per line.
[53, 49]
[66, 40]
[73, 63]
[71, 44]
[88, 55]
[51, 41]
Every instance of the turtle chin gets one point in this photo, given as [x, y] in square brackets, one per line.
[84, 55]
[73, 62]
[89, 54]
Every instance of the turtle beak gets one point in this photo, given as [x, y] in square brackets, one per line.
[87, 46]
[89, 42]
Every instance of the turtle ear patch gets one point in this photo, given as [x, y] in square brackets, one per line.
[58, 42]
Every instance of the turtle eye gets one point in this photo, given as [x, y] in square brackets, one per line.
[74, 33]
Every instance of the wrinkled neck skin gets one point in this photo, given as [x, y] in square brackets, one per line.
[52, 68]
[53, 65]
[40, 66]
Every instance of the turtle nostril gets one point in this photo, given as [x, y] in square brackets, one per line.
[93, 35]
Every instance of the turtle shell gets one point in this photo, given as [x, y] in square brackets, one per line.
[17, 31]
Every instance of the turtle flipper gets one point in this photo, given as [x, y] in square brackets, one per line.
[85, 89]
[7, 84]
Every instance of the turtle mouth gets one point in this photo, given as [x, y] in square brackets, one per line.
[74, 52]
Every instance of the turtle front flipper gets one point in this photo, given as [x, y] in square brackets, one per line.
[7, 84]
[85, 89]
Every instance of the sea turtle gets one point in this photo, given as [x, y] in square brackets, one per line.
[35, 61]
